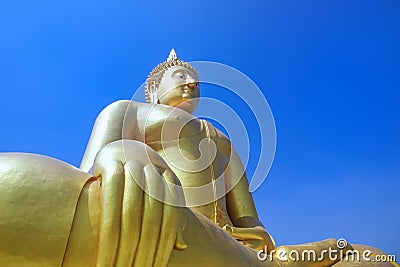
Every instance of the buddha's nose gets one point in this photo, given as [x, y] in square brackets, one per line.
[191, 85]
[190, 82]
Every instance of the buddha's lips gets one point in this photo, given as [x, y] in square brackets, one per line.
[188, 93]
[187, 96]
[189, 88]
[186, 99]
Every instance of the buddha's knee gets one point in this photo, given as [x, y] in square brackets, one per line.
[133, 157]
[129, 150]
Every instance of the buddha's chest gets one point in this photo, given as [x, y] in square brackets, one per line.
[163, 123]
[188, 145]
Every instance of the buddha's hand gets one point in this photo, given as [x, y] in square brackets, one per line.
[256, 238]
[136, 216]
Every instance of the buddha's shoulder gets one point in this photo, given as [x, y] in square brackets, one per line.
[216, 133]
[119, 108]
[123, 104]
[222, 141]
[137, 109]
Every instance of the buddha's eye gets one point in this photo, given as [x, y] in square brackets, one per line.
[180, 75]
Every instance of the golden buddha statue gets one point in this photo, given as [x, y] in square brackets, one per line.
[156, 187]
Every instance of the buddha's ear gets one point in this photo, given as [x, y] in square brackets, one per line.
[153, 94]
[154, 98]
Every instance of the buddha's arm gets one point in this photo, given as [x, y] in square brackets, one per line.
[247, 226]
[240, 204]
[109, 128]
[239, 201]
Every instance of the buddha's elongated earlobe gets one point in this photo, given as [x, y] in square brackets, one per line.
[153, 93]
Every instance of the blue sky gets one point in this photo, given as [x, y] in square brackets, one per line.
[329, 69]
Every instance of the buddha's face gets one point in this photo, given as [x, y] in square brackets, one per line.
[179, 87]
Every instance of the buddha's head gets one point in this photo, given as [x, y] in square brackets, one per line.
[173, 83]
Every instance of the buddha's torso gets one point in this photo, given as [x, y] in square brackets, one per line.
[184, 142]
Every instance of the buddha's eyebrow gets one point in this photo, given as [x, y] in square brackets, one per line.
[184, 71]
[177, 71]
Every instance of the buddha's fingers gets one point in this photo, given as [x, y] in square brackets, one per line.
[255, 237]
[172, 222]
[137, 227]
[151, 220]
[112, 183]
[243, 233]
[131, 214]
[179, 196]
[180, 243]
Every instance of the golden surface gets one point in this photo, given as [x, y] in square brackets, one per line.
[38, 196]
[54, 214]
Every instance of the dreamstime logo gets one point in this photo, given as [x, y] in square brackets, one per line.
[340, 253]
[188, 145]
[341, 243]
